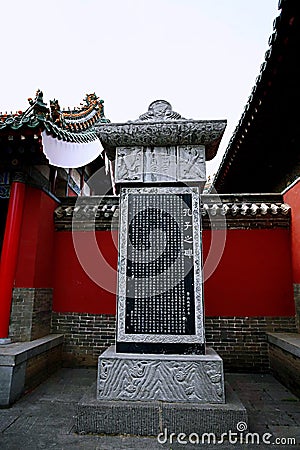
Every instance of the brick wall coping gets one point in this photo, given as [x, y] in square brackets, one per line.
[242, 211]
[18, 352]
[290, 342]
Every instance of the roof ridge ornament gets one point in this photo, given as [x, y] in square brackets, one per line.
[38, 106]
[160, 110]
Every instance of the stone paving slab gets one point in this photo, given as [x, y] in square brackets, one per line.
[6, 420]
[74, 442]
[43, 418]
[283, 406]
[271, 418]
[39, 426]
[281, 394]
[286, 431]
[296, 417]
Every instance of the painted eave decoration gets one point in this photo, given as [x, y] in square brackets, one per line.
[68, 137]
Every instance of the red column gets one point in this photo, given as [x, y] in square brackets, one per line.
[9, 253]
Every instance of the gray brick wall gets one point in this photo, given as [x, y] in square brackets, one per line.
[30, 314]
[241, 341]
[42, 312]
[86, 336]
[297, 304]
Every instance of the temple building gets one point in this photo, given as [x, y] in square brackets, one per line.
[59, 202]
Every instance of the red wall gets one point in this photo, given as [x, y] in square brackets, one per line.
[74, 291]
[253, 278]
[292, 197]
[35, 260]
[254, 275]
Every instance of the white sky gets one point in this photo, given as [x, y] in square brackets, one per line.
[201, 55]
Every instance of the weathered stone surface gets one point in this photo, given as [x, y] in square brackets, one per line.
[284, 353]
[22, 366]
[165, 164]
[171, 378]
[191, 163]
[44, 417]
[160, 127]
[12, 379]
[289, 342]
[150, 418]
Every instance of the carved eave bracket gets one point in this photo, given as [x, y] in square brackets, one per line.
[160, 127]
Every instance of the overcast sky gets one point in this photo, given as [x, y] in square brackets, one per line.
[201, 55]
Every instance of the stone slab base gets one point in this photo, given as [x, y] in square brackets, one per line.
[154, 417]
[284, 351]
[24, 365]
[170, 378]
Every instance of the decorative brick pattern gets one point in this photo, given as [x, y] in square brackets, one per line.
[86, 336]
[30, 314]
[297, 304]
[240, 341]
[286, 367]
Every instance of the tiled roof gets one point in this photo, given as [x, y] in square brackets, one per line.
[254, 148]
[75, 125]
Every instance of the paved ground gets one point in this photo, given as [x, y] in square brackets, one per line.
[43, 419]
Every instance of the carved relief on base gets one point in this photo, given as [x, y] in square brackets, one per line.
[173, 380]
